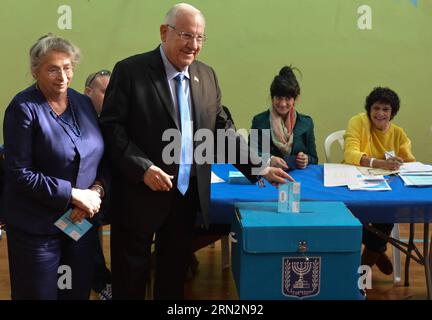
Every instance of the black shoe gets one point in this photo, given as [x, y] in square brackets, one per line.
[369, 257]
[194, 264]
[384, 264]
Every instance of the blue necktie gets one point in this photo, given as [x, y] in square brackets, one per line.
[186, 152]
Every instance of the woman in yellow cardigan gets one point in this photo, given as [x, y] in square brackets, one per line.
[372, 140]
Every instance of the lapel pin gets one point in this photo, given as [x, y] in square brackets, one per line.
[196, 79]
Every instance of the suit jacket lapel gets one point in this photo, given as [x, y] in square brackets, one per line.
[158, 75]
[196, 95]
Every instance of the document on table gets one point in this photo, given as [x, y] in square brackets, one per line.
[420, 179]
[370, 183]
[415, 167]
[236, 177]
[215, 178]
[367, 171]
[337, 175]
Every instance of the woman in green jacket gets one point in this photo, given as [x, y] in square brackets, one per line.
[292, 139]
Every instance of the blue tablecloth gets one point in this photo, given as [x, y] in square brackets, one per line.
[401, 205]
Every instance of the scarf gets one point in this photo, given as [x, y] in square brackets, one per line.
[282, 131]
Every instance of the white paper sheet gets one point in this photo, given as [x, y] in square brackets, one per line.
[336, 174]
[215, 178]
[415, 167]
[370, 185]
[421, 179]
[375, 171]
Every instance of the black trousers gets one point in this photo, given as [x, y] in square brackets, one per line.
[372, 241]
[34, 262]
[131, 252]
[102, 275]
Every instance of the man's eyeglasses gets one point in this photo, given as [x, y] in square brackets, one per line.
[93, 76]
[57, 72]
[187, 36]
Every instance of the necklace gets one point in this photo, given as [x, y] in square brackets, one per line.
[74, 127]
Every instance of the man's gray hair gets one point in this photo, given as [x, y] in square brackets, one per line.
[51, 42]
[178, 10]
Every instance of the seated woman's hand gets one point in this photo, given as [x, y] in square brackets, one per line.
[278, 162]
[393, 163]
[302, 160]
[87, 200]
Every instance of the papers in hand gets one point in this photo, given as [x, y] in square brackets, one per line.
[75, 231]
[289, 197]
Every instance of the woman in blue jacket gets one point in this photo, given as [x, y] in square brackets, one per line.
[290, 135]
[53, 148]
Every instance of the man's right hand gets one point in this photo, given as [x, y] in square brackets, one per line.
[276, 176]
[157, 180]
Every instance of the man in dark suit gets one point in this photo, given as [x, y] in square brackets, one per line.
[149, 94]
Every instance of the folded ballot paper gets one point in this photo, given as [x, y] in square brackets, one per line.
[73, 230]
[289, 197]
[236, 177]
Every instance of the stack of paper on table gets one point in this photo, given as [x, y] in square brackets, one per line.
[215, 178]
[336, 175]
[416, 174]
[406, 167]
[411, 167]
[367, 171]
[417, 179]
[236, 177]
[370, 183]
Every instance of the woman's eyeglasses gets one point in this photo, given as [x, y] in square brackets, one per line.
[57, 72]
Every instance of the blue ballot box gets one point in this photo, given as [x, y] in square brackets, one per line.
[313, 254]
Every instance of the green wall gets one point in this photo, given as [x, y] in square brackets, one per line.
[248, 42]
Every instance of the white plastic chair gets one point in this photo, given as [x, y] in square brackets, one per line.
[396, 256]
[339, 137]
[331, 138]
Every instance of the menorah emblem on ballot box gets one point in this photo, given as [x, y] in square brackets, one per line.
[301, 276]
